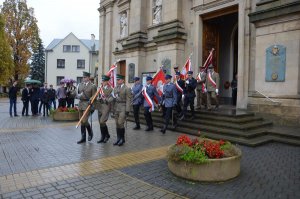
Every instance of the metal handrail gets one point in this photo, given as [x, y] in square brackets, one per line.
[275, 102]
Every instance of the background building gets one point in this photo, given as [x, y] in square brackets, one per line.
[257, 39]
[68, 57]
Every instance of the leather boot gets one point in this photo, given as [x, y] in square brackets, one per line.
[90, 132]
[107, 136]
[122, 135]
[163, 130]
[83, 135]
[137, 126]
[102, 134]
[118, 137]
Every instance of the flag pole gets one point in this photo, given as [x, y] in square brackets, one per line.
[210, 53]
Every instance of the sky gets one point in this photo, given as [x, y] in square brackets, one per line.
[57, 18]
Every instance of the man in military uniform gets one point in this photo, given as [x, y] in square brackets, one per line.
[169, 101]
[85, 91]
[189, 95]
[180, 86]
[212, 86]
[122, 97]
[201, 89]
[151, 92]
[137, 100]
[103, 107]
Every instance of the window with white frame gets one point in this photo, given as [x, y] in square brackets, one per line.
[67, 48]
[75, 48]
[60, 63]
[80, 63]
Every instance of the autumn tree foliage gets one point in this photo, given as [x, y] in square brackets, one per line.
[6, 62]
[22, 33]
[38, 63]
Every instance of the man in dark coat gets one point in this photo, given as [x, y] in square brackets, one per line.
[189, 94]
[12, 94]
[25, 99]
[137, 100]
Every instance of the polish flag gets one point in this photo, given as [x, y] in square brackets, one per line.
[187, 67]
[209, 59]
[112, 73]
[158, 81]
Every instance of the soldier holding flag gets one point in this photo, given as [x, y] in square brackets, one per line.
[84, 93]
[201, 89]
[103, 107]
[122, 98]
[212, 86]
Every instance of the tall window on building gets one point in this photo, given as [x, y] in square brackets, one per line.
[79, 80]
[75, 48]
[67, 48]
[80, 63]
[58, 79]
[60, 63]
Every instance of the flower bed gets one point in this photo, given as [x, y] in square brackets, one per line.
[66, 114]
[204, 159]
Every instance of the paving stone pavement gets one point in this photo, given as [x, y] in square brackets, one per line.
[39, 147]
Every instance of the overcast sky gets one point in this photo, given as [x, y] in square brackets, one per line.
[57, 18]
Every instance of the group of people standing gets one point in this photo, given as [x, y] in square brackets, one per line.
[41, 98]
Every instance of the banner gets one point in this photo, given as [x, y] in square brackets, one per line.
[112, 73]
[187, 67]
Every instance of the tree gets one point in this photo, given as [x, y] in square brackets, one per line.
[6, 62]
[38, 63]
[22, 33]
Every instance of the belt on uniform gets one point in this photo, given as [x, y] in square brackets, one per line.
[120, 102]
[169, 97]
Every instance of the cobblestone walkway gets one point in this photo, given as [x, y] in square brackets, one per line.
[39, 158]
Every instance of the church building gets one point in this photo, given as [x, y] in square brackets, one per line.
[259, 40]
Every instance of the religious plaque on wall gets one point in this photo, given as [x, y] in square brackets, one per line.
[275, 63]
[166, 65]
[131, 69]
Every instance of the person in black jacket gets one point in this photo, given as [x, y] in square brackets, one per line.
[45, 99]
[34, 99]
[25, 99]
[189, 95]
[12, 94]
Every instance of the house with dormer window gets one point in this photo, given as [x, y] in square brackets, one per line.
[69, 57]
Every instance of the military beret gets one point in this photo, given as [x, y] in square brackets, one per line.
[148, 78]
[210, 66]
[105, 78]
[120, 76]
[168, 76]
[86, 74]
[178, 73]
[190, 72]
[136, 79]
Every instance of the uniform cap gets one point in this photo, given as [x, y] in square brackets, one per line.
[136, 79]
[105, 78]
[175, 67]
[120, 76]
[168, 76]
[148, 78]
[210, 66]
[178, 73]
[86, 74]
[190, 72]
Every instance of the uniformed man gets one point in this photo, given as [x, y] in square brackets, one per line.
[189, 94]
[137, 100]
[180, 86]
[85, 91]
[169, 101]
[103, 107]
[122, 97]
[212, 86]
[201, 88]
[149, 102]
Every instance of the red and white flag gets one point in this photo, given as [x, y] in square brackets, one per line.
[158, 81]
[209, 59]
[187, 67]
[112, 73]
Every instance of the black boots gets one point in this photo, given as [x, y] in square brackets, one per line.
[90, 132]
[137, 126]
[104, 134]
[163, 130]
[83, 135]
[120, 137]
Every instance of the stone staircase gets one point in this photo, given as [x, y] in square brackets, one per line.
[236, 126]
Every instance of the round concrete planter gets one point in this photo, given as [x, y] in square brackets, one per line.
[214, 170]
[66, 116]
